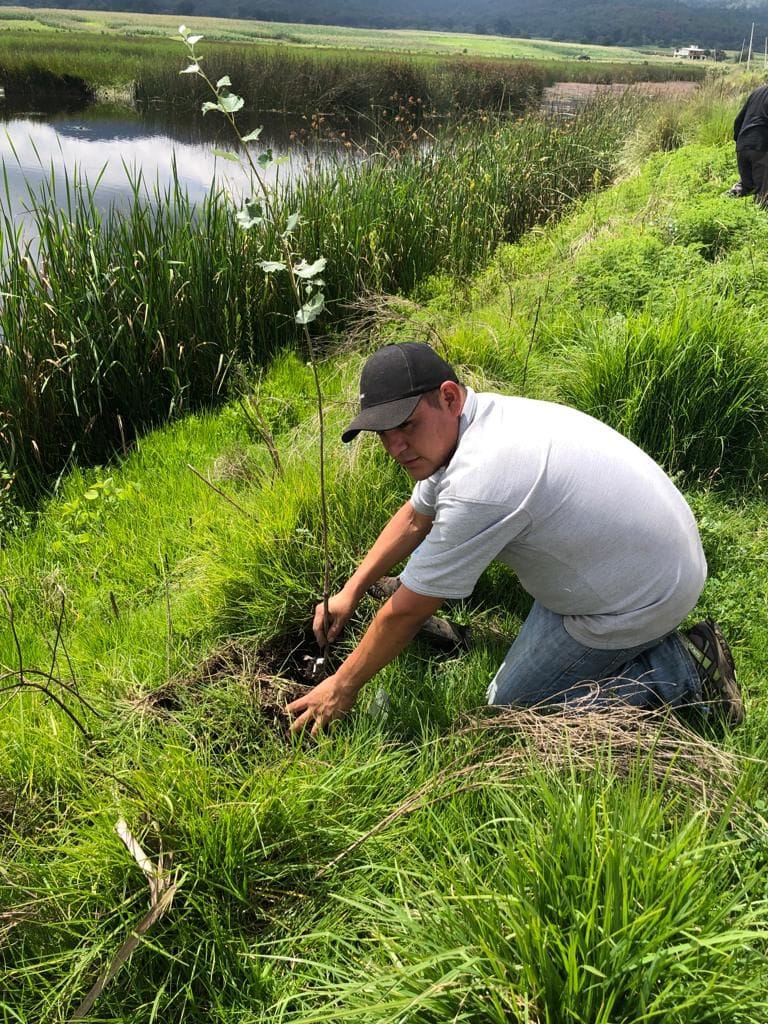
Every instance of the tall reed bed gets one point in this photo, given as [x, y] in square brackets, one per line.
[119, 321]
[299, 79]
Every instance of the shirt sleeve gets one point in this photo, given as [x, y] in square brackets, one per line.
[424, 496]
[464, 539]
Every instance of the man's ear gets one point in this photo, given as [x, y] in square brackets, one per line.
[453, 396]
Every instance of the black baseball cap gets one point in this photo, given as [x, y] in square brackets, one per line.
[392, 383]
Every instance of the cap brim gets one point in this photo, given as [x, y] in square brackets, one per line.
[386, 416]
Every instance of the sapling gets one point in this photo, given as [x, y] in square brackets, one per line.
[305, 279]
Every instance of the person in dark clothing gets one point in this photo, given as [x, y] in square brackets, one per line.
[750, 133]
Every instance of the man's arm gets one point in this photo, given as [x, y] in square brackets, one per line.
[400, 537]
[393, 627]
[738, 122]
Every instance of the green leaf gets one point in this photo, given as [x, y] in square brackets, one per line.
[91, 494]
[253, 136]
[191, 69]
[307, 270]
[231, 103]
[222, 82]
[292, 224]
[265, 158]
[311, 310]
[270, 266]
[210, 106]
[183, 31]
[250, 215]
[226, 154]
[192, 40]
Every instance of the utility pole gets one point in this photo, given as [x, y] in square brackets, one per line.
[743, 42]
[749, 55]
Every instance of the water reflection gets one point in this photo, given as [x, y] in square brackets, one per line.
[110, 148]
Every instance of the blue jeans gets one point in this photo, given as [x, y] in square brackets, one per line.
[545, 665]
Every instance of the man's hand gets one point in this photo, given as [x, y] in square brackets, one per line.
[328, 701]
[340, 609]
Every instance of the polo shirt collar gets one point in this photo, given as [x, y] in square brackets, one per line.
[467, 413]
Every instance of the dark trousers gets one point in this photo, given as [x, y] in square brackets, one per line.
[753, 171]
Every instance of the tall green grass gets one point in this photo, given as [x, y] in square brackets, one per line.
[143, 60]
[687, 388]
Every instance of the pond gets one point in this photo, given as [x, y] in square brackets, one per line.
[109, 149]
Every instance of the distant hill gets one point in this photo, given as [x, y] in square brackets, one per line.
[708, 23]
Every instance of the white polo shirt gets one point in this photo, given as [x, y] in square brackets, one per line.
[594, 528]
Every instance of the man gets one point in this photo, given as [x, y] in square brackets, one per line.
[597, 533]
[750, 133]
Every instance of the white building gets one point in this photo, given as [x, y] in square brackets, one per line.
[690, 53]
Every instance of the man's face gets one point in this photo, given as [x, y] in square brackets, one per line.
[427, 439]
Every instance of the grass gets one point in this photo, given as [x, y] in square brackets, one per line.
[436, 864]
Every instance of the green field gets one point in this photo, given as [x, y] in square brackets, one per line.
[439, 43]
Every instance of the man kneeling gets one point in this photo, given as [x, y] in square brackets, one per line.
[595, 530]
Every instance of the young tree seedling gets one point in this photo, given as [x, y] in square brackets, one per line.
[306, 282]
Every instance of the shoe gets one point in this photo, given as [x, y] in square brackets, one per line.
[735, 191]
[707, 646]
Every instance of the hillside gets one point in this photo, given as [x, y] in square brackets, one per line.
[627, 22]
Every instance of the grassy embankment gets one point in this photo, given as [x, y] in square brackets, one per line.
[402, 870]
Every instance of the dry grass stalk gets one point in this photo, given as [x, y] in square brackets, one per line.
[162, 887]
[372, 313]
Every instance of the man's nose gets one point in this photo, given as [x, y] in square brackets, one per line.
[393, 441]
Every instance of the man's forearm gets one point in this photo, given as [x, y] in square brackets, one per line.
[399, 538]
[392, 629]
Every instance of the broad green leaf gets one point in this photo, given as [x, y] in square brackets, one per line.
[183, 31]
[280, 160]
[231, 103]
[307, 270]
[210, 106]
[190, 69]
[192, 40]
[91, 494]
[293, 222]
[253, 136]
[270, 266]
[222, 82]
[250, 215]
[265, 158]
[311, 310]
[226, 154]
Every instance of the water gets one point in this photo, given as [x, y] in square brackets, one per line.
[108, 147]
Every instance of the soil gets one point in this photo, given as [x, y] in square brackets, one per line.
[277, 673]
[283, 669]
